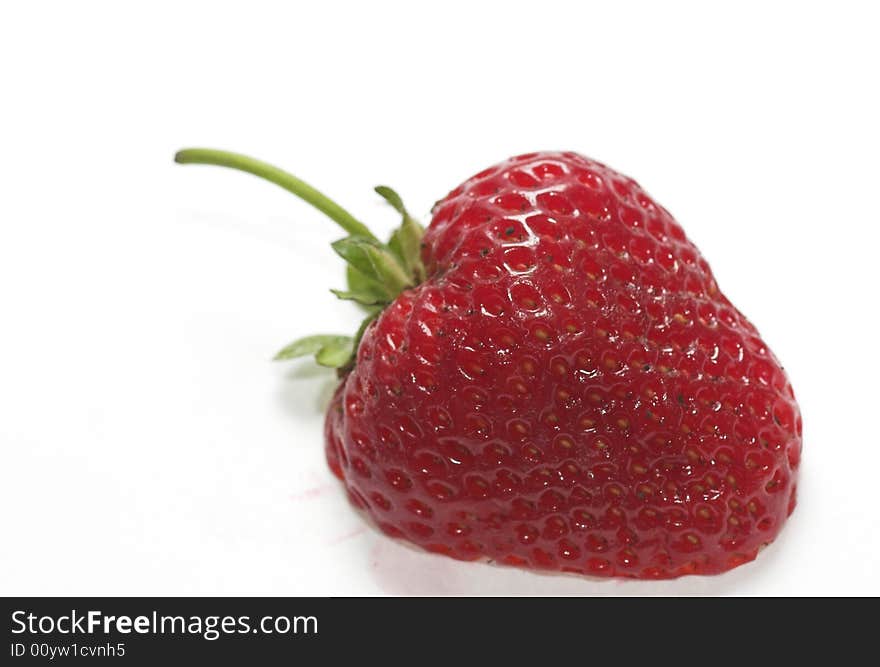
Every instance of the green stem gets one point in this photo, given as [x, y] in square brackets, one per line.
[279, 177]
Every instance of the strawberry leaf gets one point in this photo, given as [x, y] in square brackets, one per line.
[392, 198]
[406, 240]
[359, 283]
[406, 244]
[387, 269]
[365, 298]
[376, 262]
[336, 353]
[353, 250]
[311, 345]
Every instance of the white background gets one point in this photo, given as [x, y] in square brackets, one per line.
[148, 444]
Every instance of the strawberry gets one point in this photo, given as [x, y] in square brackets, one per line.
[549, 377]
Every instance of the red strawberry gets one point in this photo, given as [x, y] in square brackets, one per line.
[555, 382]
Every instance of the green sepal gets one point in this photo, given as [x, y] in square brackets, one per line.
[406, 241]
[406, 244]
[387, 269]
[326, 348]
[359, 283]
[353, 249]
[337, 354]
[365, 298]
[392, 198]
[376, 262]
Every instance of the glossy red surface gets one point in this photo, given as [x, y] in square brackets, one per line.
[569, 389]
